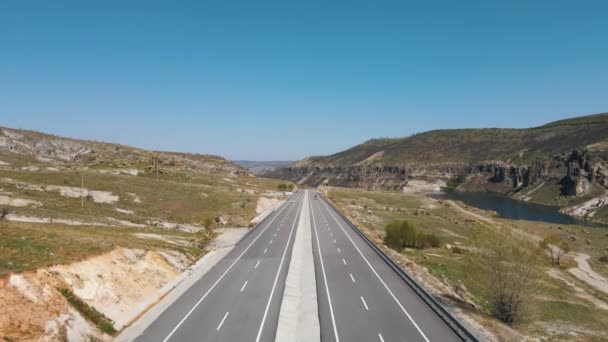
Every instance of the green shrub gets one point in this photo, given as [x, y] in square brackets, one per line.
[402, 234]
[102, 322]
[428, 240]
[454, 182]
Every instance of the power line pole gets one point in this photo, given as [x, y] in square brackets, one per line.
[156, 167]
[82, 188]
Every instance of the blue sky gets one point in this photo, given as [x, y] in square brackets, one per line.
[283, 80]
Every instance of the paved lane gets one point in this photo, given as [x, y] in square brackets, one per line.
[360, 297]
[238, 299]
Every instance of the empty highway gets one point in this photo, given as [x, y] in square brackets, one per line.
[238, 299]
[359, 297]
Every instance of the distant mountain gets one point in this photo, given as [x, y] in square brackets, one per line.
[562, 163]
[258, 167]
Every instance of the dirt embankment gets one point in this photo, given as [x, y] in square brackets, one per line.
[120, 284]
[265, 205]
[33, 310]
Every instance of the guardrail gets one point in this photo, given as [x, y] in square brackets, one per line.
[445, 315]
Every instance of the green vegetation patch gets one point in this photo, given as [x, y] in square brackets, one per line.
[90, 313]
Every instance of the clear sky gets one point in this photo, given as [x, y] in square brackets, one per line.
[267, 80]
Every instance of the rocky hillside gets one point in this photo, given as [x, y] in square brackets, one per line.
[74, 210]
[258, 167]
[35, 147]
[562, 163]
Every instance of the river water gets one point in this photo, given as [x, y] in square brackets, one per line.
[513, 209]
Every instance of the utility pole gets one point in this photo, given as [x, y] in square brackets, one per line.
[82, 189]
[156, 159]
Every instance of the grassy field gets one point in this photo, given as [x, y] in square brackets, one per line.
[25, 246]
[556, 309]
[182, 197]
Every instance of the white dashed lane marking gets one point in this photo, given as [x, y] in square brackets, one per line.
[364, 303]
[222, 322]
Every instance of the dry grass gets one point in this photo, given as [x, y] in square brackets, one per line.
[555, 309]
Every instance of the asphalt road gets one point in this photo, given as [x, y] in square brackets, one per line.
[360, 297]
[240, 298]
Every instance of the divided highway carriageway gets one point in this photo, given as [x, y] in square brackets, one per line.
[360, 296]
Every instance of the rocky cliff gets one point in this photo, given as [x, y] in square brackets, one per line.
[564, 163]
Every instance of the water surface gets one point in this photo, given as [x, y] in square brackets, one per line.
[513, 209]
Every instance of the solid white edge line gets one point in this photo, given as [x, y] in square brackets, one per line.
[376, 273]
[364, 303]
[221, 277]
[222, 322]
[276, 278]
[331, 309]
[244, 285]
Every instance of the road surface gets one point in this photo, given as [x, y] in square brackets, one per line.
[239, 299]
[360, 298]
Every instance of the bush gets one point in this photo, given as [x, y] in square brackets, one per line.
[604, 258]
[402, 234]
[555, 247]
[428, 240]
[3, 213]
[454, 182]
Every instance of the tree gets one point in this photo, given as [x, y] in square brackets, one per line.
[400, 234]
[209, 224]
[555, 247]
[510, 267]
[393, 236]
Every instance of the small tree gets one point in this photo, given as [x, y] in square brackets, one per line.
[209, 224]
[555, 247]
[393, 236]
[3, 214]
[510, 267]
[400, 234]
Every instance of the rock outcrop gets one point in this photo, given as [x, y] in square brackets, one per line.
[576, 174]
